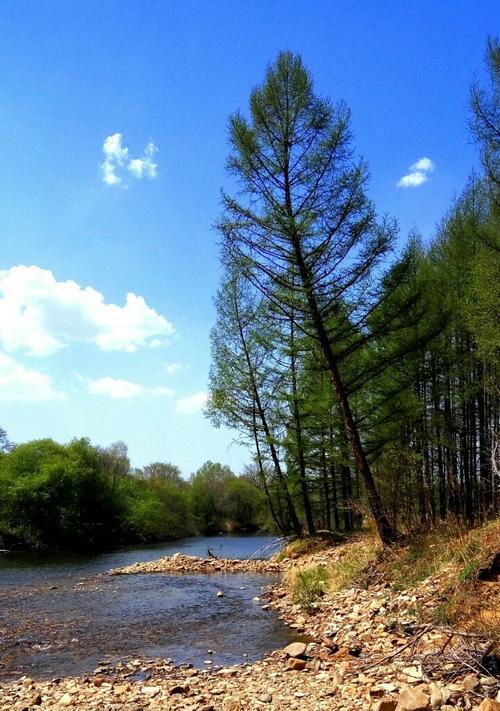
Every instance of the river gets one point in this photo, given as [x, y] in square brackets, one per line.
[62, 614]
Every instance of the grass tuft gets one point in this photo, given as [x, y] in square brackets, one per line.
[309, 585]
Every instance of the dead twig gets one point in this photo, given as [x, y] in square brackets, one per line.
[388, 658]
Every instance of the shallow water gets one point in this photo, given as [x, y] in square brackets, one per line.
[62, 615]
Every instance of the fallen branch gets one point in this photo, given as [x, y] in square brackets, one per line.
[388, 658]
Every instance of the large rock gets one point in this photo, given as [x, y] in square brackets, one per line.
[296, 649]
[413, 700]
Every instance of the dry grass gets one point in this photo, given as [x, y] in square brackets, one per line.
[302, 546]
[451, 558]
[353, 564]
[451, 550]
[448, 558]
[330, 568]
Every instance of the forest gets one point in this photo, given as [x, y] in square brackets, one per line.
[363, 375]
[80, 496]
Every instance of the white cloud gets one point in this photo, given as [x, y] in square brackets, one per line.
[162, 391]
[121, 389]
[424, 164]
[412, 180]
[115, 156]
[171, 368]
[144, 167]
[419, 173]
[113, 387]
[117, 163]
[192, 403]
[41, 315]
[20, 383]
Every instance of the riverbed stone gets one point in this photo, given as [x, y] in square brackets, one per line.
[385, 705]
[297, 664]
[411, 699]
[489, 705]
[295, 649]
[150, 691]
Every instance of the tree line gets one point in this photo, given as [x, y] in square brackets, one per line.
[365, 379]
[81, 496]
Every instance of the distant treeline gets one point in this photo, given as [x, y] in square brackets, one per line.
[77, 495]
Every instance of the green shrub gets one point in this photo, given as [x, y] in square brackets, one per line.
[309, 585]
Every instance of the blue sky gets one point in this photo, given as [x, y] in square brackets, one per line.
[89, 216]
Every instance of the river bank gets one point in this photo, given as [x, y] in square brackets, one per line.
[372, 646]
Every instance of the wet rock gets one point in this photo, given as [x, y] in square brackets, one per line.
[220, 593]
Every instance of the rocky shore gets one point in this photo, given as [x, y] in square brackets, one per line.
[363, 648]
[179, 563]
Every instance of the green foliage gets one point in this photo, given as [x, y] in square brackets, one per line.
[56, 495]
[81, 496]
[223, 502]
[309, 585]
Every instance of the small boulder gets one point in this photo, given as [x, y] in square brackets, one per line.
[296, 664]
[295, 649]
[470, 682]
[439, 695]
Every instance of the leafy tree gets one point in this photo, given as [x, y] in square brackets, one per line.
[162, 470]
